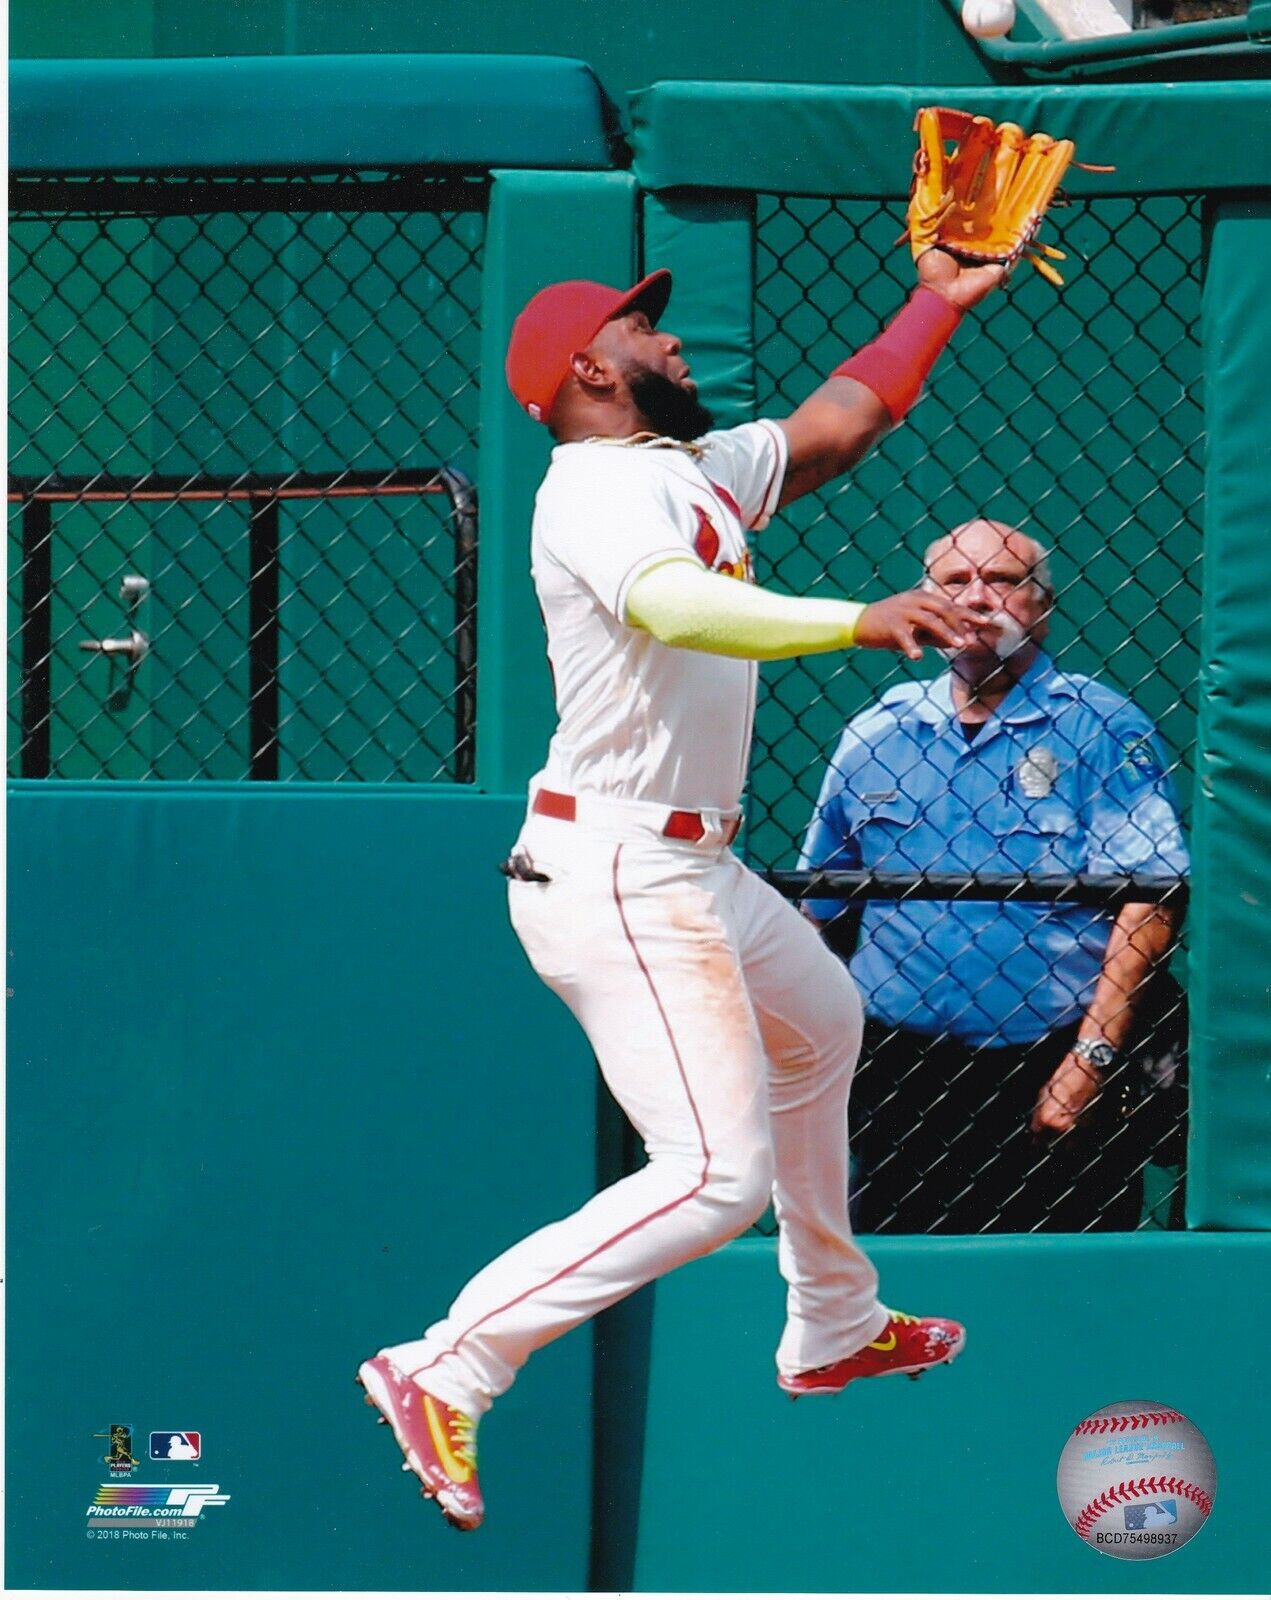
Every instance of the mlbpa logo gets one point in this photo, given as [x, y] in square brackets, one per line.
[169, 1446]
[119, 1457]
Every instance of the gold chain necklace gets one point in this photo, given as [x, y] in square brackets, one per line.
[649, 441]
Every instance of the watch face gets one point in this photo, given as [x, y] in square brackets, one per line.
[1099, 1055]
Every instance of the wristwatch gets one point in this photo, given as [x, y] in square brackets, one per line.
[1098, 1052]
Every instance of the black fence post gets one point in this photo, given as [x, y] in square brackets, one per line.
[262, 640]
[463, 500]
[37, 639]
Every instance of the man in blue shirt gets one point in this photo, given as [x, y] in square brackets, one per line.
[993, 1026]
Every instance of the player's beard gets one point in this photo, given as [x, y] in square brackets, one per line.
[669, 408]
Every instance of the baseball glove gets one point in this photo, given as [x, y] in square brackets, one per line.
[984, 201]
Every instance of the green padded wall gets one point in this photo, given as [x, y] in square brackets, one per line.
[313, 111]
[542, 226]
[1231, 981]
[851, 139]
[948, 1485]
[707, 240]
[269, 1106]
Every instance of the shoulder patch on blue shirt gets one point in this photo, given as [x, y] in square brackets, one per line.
[1141, 755]
[1115, 715]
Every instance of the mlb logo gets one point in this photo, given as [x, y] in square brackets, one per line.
[1155, 1514]
[169, 1446]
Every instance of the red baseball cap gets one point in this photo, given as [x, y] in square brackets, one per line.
[563, 319]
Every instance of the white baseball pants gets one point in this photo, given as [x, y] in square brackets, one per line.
[728, 1033]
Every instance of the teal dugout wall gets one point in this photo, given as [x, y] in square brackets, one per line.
[950, 1484]
[270, 1094]
[269, 1104]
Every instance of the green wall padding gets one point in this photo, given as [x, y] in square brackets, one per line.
[306, 111]
[542, 226]
[1230, 1183]
[948, 1485]
[858, 140]
[269, 1105]
[707, 241]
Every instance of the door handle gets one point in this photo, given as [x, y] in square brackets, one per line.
[133, 590]
[135, 647]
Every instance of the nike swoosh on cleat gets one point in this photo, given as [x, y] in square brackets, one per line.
[884, 1344]
[455, 1468]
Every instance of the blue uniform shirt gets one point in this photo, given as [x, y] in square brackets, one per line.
[1067, 776]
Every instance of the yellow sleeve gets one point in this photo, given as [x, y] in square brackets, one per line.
[684, 606]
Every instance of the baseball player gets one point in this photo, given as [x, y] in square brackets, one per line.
[723, 1026]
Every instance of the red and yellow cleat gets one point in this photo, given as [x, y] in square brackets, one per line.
[906, 1344]
[439, 1443]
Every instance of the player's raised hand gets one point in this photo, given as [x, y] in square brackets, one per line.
[908, 621]
[961, 286]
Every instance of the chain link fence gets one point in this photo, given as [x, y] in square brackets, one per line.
[243, 425]
[243, 532]
[980, 873]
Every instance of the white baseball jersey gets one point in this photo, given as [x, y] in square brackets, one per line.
[639, 720]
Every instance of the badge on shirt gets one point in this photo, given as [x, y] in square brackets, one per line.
[1141, 756]
[1037, 772]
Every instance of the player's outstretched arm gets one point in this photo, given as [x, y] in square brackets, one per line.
[684, 606]
[874, 389]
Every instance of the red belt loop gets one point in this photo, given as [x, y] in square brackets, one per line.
[561, 806]
[689, 825]
[684, 825]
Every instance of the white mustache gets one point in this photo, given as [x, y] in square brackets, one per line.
[1011, 636]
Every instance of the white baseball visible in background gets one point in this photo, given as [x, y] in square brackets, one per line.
[1136, 1480]
[988, 19]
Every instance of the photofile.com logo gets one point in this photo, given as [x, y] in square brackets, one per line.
[155, 1500]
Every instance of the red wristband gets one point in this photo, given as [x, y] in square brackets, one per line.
[896, 364]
